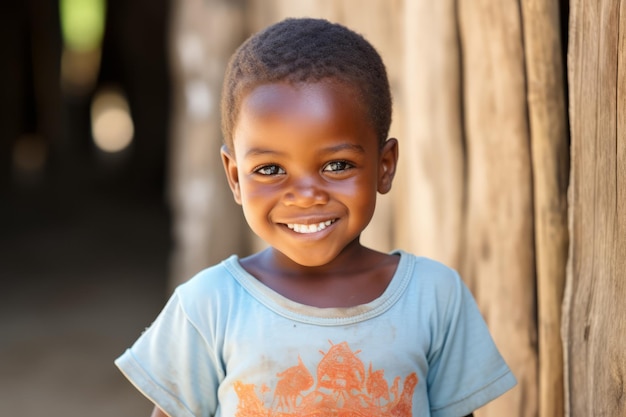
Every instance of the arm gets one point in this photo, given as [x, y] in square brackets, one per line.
[156, 412]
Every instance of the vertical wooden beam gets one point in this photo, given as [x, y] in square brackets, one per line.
[499, 242]
[550, 162]
[594, 316]
[432, 166]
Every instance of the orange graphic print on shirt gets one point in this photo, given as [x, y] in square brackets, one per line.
[343, 387]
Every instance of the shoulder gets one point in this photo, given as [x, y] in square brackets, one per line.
[212, 288]
[209, 277]
[427, 272]
[434, 286]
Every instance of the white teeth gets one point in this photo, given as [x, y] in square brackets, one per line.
[309, 228]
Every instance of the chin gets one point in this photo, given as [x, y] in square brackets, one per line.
[310, 261]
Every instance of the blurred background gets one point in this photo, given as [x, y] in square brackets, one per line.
[112, 190]
[84, 225]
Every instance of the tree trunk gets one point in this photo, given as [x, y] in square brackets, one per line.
[549, 143]
[499, 257]
[594, 322]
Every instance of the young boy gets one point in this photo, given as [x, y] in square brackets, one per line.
[316, 324]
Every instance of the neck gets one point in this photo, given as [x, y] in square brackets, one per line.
[356, 276]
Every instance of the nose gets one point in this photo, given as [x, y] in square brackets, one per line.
[305, 192]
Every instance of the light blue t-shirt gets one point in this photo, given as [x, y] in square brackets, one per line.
[227, 345]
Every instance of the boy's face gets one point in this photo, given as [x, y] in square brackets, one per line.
[306, 166]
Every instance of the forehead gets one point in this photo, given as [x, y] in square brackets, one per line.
[328, 108]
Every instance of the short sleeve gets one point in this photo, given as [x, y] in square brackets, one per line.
[174, 365]
[466, 371]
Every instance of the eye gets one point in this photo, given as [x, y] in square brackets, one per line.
[338, 166]
[269, 170]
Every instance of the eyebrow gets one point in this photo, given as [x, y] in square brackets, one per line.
[261, 151]
[345, 147]
[329, 150]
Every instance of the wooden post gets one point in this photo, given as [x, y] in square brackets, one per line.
[432, 167]
[499, 243]
[550, 162]
[208, 225]
[594, 316]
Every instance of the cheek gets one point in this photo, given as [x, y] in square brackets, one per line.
[255, 191]
[255, 206]
[362, 195]
[257, 200]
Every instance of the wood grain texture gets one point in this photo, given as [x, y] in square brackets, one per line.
[432, 162]
[499, 260]
[594, 321]
[550, 163]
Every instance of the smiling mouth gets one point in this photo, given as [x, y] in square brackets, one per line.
[310, 228]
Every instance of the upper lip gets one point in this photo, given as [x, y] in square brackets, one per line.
[307, 220]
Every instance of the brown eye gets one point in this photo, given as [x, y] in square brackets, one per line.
[270, 170]
[338, 166]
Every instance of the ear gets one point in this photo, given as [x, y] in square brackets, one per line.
[387, 165]
[232, 174]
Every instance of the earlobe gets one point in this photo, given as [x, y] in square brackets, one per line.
[387, 165]
[232, 174]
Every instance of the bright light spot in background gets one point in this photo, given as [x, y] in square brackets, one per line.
[82, 23]
[199, 100]
[112, 126]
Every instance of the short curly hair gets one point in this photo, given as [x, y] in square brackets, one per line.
[307, 50]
